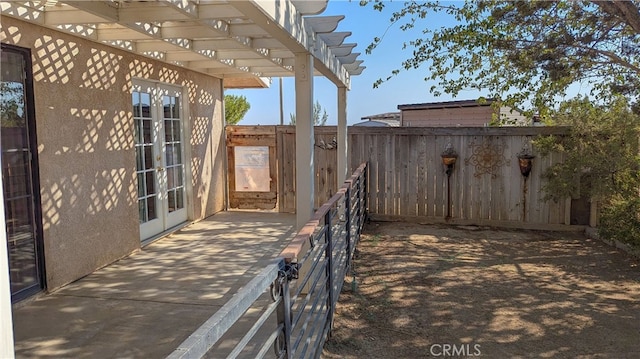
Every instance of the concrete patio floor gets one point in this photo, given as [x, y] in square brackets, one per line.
[146, 304]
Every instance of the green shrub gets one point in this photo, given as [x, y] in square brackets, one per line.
[620, 220]
[600, 161]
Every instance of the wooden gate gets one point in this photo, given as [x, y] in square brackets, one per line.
[252, 172]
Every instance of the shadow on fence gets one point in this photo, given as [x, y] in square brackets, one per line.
[287, 308]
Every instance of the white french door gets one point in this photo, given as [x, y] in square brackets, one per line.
[157, 115]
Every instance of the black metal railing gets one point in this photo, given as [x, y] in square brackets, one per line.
[297, 292]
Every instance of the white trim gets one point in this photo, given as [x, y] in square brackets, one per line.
[187, 153]
[343, 145]
[165, 220]
[304, 139]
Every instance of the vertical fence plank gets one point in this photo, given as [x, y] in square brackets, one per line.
[421, 173]
[462, 178]
[433, 166]
[410, 187]
[514, 194]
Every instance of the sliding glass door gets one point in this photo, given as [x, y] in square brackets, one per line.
[20, 173]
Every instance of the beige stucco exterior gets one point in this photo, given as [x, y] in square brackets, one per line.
[87, 167]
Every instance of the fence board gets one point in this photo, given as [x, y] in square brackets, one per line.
[407, 178]
[410, 187]
[421, 169]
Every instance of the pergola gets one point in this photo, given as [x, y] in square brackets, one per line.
[243, 42]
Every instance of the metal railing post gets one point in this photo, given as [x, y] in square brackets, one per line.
[347, 203]
[359, 211]
[365, 190]
[329, 269]
[282, 345]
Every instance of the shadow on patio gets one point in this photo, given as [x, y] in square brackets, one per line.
[146, 304]
[514, 294]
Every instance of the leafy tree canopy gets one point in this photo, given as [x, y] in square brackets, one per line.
[235, 107]
[601, 157]
[320, 115]
[524, 52]
[601, 161]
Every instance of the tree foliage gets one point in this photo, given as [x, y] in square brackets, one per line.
[235, 108]
[601, 162]
[601, 157]
[320, 115]
[524, 51]
[528, 54]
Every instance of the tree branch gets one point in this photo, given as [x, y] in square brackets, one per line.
[627, 11]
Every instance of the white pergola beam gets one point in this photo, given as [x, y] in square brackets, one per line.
[218, 11]
[99, 8]
[71, 16]
[357, 71]
[243, 36]
[184, 6]
[283, 23]
[342, 50]
[304, 138]
[343, 147]
[324, 24]
[349, 58]
[334, 38]
[353, 66]
[148, 14]
[310, 7]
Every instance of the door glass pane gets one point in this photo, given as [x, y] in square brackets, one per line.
[179, 178]
[171, 174]
[169, 150]
[151, 208]
[142, 209]
[135, 100]
[180, 198]
[141, 190]
[150, 181]
[145, 103]
[145, 166]
[17, 174]
[166, 105]
[138, 131]
[171, 198]
[146, 131]
[168, 135]
[177, 154]
[176, 107]
[139, 158]
[148, 158]
[176, 130]
[16, 183]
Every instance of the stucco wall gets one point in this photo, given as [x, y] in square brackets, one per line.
[86, 145]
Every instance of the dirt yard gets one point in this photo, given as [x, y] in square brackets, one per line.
[435, 291]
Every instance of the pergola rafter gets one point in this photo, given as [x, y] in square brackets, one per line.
[227, 39]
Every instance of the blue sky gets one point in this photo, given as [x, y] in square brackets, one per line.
[362, 99]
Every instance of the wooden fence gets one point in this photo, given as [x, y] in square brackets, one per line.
[408, 180]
